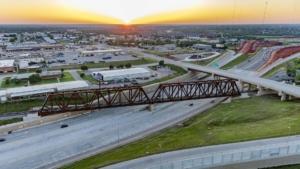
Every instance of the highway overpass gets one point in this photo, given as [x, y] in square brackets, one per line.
[283, 90]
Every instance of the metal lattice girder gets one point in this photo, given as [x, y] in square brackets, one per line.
[135, 95]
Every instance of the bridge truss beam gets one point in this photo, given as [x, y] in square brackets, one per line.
[61, 102]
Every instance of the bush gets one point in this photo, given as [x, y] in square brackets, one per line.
[84, 67]
[35, 78]
[111, 67]
[128, 65]
[82, 75]
[7, 81]
[161, 63]
[38, 71]
[120, 66]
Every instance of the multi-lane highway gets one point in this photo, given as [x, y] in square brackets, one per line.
[49, 145]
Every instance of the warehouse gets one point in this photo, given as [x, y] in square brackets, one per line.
[122, 74]
[38, 91]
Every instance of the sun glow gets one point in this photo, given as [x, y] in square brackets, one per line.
[129, 10]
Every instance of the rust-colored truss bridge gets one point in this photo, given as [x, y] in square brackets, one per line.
[60, 102]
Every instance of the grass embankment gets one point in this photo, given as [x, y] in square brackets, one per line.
[66, 78]
[107, 64]
[177, 71]
[19, 106]
[241, 120]
[10, 121]
[283, 67]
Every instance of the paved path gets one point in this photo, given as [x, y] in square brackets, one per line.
[219, 155]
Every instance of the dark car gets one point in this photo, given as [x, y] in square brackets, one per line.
[64, 126]
[2, 139]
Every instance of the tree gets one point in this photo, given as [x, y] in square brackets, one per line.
[82, 75]
[7, 81]
[111, 67]
[128, 65]
[84, 68]
[38, 71]
[35, 78]
[62, 70]
[120, 66]
[161, 63]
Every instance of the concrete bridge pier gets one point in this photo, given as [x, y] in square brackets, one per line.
[261, 91]
[284, 97]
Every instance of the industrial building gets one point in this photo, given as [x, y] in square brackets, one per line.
[33, 47]
[122, 74]
[90, 53]
[38, 91]
[7, 66]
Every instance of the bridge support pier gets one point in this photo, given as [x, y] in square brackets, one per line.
[261, 91]
[150, 107]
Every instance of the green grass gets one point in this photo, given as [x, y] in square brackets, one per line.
[104, 64]
[296, 166]
[178, 71]
[67, 77]
[273, 71]
[241, 120]
[10, 121]
[88, 77]
[19, 106]
[280, 67]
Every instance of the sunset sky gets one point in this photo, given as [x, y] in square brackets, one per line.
[149, 11]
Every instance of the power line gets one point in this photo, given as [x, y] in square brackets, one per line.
[265, 11]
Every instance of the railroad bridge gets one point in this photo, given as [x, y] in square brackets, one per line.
[93, 99]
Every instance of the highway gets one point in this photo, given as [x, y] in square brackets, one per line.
[50, 146]
[220, 155]
[257, 61]
[260, 82]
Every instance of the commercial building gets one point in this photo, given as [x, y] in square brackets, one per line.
[38, 91]
[33, 47]
[90, 53]
[122, 74]
[7, 66]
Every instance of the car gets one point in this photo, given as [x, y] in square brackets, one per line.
[192, 104]
[64, 126]
[2, 139]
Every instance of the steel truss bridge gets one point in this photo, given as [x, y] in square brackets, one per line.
[93, 99]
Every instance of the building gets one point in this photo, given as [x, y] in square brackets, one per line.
[7, 66]
[33, 47]
[91, 53]
[203, 47]
[122, 74]
[38, 91]
[30, 63]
